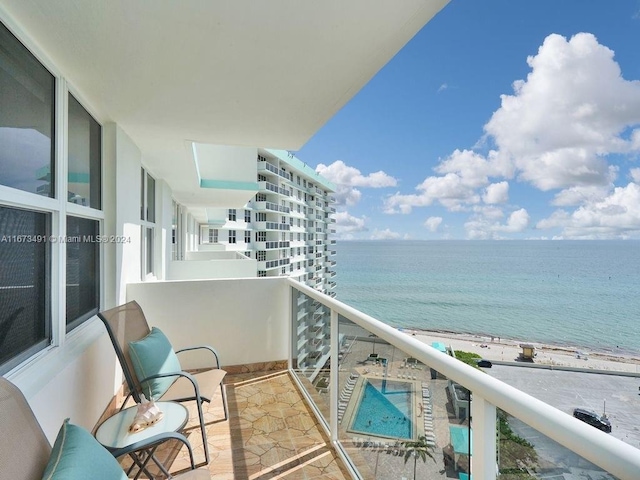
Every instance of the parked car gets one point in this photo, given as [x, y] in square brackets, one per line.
[601, 422]
[484, 363]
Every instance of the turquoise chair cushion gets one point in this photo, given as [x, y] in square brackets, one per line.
[77, 455]
[153, 355]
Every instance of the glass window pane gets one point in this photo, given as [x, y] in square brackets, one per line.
[24, 284]
[143, 209]
[151, 199]
[85, 156]
[149, 251]
[26, 119]
[83, 270]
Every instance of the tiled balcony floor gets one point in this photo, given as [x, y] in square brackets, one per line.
[271, 433]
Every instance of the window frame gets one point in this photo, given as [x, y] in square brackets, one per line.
[147, 224]
[43, 361]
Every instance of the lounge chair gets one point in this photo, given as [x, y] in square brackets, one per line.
[25, 450]
[126, 324]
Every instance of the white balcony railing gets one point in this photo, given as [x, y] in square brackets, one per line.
[489, 394]
[271, 320]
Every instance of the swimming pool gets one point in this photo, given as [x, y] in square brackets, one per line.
[385, 409]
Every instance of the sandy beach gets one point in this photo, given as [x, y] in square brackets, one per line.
[508, 350]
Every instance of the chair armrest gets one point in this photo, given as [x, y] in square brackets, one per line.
[202, 347]
[154, 441]
[186, 375]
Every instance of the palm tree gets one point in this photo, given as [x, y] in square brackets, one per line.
[418, 448]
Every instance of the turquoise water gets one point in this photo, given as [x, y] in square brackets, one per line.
[582, 294]
[385, 409]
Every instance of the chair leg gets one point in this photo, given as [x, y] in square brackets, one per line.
[205, 444]
[224, 402]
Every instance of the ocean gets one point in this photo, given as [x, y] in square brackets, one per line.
[578, 294]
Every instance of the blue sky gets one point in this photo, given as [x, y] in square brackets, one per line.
[499, 119]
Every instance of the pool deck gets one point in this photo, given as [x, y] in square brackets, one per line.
[356, 397]
[383, 457]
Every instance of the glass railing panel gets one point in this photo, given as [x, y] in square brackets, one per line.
[311, 348]
[391, 406]
[525, 453]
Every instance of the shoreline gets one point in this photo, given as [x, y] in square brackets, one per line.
[508, 349]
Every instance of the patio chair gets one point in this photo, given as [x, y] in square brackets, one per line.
[126, 324]
[25, 450]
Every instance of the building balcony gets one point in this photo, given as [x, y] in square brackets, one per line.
[265, 186]
[271, 226]
[270, 245]
[284, 191]
[266, 166]
[274, 207]
[211, 264]
[320, 375]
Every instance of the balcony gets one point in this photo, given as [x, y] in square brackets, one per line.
[267, 186]
[271, 226]
[284, 191]
[270, 245]
[274, 207]
[211, 264]
[266, 166]
[323, 380]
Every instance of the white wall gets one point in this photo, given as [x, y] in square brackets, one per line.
[246, 320]
[128, 261]
[209, 269]
[213, 254]
[164, 219]
[209, 247]
[214, 161]
[80, 390]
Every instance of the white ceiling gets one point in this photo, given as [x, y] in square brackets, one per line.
[265, 73]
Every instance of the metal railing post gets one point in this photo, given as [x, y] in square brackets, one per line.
[483, 439]
[333, 377]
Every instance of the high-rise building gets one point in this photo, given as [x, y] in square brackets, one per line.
[286, 227]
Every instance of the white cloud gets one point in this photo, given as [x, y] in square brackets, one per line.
[580, 194]
[348, 224]
[518, 221]
[616, 216]
[348, 178]
[562, 129]
[442, 87]
[385, 234]
[567, 115]
[490, 212]
[496, 193]
[432, 223]
[481, 227]
[463, 173]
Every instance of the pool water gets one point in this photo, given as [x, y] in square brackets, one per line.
[385, 409]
